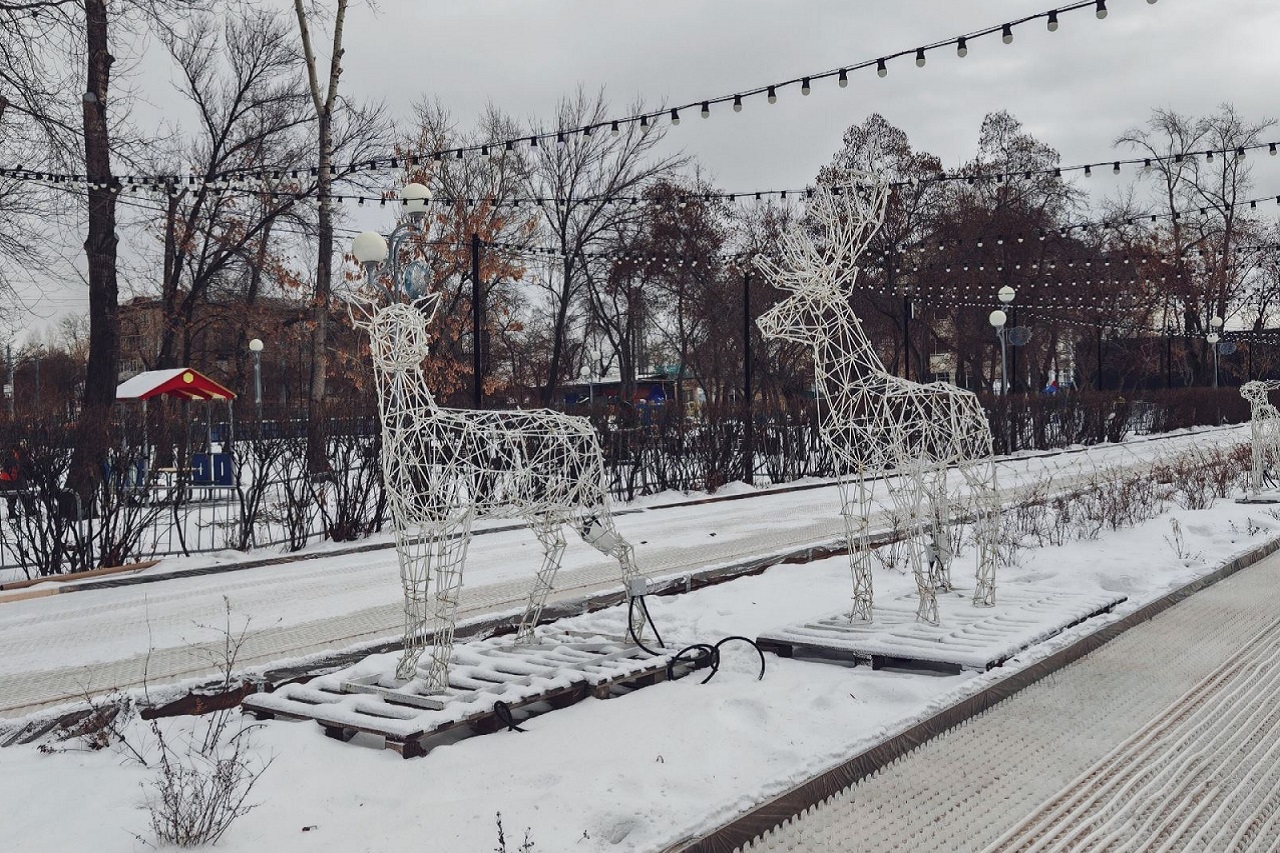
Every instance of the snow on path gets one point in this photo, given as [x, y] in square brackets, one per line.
[58, 648]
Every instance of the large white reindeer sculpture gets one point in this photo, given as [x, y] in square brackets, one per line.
[1265, 427]
[877, 424]
[444, 468]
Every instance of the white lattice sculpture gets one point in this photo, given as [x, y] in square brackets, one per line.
[877, 424]
[444, 468]
[1265, 428]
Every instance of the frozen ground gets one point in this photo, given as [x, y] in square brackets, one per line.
[636, 773]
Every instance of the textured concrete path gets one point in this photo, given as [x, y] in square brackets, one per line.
[1166, 738]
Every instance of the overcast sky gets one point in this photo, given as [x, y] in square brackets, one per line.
[1076, 89]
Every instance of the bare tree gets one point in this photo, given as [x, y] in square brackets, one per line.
[1198, 193]
[579, 176]
[249, 110]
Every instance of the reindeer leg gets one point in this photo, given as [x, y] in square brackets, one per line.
[597, 529]
[414, 554]
[910, 499]
[980, 474]
[448, 551]
[550, 533]
[858, 533]
[938, 532]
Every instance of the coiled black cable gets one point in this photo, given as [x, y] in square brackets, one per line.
[703, 655]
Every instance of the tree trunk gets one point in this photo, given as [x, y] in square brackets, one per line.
[102, 370]
[324, 102]
[557, 344]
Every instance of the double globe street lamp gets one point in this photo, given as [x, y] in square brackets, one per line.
[372, 249]
[1212, 338]
[998, 318]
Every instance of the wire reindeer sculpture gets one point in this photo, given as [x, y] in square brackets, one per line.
[1264, 425]
[445, 468]
[876, 424]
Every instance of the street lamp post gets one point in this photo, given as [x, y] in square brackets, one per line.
[372, 249]
[255, 347]
[998, 319]
[1213, 337]
[1005, 295]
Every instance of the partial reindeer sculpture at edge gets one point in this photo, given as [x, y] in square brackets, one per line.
[445, 468]
[876, 424]
[1264, 425]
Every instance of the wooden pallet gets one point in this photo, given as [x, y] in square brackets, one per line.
[491, 682]
[969, 638]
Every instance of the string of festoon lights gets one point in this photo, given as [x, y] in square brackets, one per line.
[979, 241]
[229, 179]
[881, 262]
[1128, 258]
[263, 185]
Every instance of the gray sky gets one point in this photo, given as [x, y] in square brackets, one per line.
[1076, 89]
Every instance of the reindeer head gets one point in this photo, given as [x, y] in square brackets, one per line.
[1256, 392]
[820, 268]
[398, 335]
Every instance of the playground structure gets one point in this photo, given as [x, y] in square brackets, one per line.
[878, 425]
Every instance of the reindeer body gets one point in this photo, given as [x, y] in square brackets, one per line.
[874, 423]
[1264, 426]
[444, 468]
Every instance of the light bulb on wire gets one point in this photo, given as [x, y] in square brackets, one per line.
[920, 58]
[1053, 22]
[1006, 34]
[962, 47]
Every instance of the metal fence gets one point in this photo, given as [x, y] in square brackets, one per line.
[256, 493]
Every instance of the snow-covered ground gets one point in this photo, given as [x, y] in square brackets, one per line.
[638, 772]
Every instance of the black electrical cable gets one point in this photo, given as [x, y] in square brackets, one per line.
[708, 655]
[502, 711]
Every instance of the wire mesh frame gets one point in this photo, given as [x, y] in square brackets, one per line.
[1264, 428]
[445, 468]
[877, 424]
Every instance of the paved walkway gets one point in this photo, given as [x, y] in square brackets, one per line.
[1166, 738]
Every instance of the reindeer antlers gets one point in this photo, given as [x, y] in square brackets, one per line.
[846, 218]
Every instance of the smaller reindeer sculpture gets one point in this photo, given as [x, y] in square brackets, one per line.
[876, 424]
[1265, 427]
[444, 468]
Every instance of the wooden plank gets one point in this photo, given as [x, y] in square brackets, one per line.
[75, 576]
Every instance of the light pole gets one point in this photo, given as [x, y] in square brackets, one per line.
[998, 318]
[255, 347]
[1005, 295]
[1213, 337]
[372, 249]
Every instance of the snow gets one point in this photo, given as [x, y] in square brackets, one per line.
[634, 773]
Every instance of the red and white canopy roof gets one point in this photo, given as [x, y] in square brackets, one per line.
[182, 382]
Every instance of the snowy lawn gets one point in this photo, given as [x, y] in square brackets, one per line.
[633, 773]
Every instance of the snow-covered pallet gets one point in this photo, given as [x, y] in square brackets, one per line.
[975, 638]
[492, 683]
